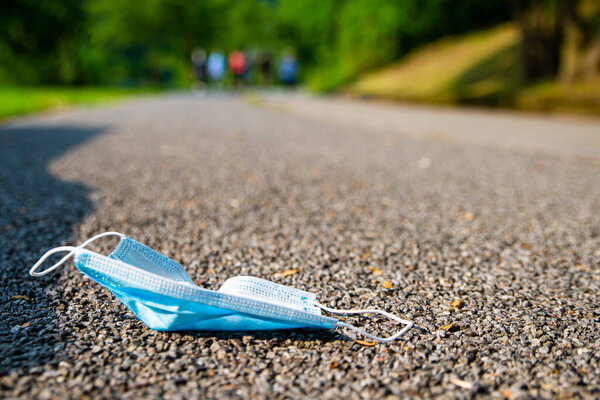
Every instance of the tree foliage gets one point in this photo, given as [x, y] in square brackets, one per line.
[149, 41]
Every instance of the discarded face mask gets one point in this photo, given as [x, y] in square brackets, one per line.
[164, 297]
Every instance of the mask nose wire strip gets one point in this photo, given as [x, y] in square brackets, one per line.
[70, 249]
[409, 324]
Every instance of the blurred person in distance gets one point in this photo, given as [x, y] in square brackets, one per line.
[216, 65]
[288, 67]
[248, 74]
[264, 67]
[237, 66]
[199, 65]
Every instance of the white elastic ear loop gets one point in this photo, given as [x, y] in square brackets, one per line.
[409, 324]
[70, 249]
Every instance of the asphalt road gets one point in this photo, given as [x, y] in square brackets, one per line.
[500, 211]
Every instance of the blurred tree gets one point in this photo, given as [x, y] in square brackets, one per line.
[310, 26]
[147, 40]
[558, 35]
[580, 50]
[368, 34]
[38, 40]
[541, 29]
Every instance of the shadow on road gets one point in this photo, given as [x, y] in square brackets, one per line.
[37, 211]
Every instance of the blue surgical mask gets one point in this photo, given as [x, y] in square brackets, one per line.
[164, 297]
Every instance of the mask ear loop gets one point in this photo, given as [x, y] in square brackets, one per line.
[70, 249]
[409, 324]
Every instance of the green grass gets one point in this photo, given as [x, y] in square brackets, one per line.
[25, 100]
[480, 68]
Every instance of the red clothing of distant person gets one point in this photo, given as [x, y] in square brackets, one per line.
[237, 62]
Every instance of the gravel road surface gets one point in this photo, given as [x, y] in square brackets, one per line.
[482, 228]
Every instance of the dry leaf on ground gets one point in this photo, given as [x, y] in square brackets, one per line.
[365, 343]
[289, 272]
[457, 303]
[387, 284]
